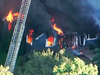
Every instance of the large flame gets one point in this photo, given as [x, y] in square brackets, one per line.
[29, 39]
[59, 31]
[50, 41]
[10, 17]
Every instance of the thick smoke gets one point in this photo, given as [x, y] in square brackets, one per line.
[75, 15]
[70, 15]
[38, 19]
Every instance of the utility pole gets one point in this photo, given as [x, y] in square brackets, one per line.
[17, 35]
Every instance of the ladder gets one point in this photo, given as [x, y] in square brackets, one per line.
[17, 35]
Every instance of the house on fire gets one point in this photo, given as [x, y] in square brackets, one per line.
[43, 41]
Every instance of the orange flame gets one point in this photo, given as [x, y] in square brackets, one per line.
[73, 47]
[50, 40]
[29, 40]
[59, 31]
[9, 26]
[10, 16]
[16, 14]
[60, 42]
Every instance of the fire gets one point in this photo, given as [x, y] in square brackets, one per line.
[16, 14]
[60, 42]
[10, 17]
[59, 31]
[29, 40]
[50, 40]
[9, 26]
[73, 47]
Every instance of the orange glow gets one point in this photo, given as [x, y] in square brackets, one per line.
[81, 52]
[50, 41]
[9, 26]
[73, 47]
[29, 40]
[59, 31]
[16, 14]
[60, 42]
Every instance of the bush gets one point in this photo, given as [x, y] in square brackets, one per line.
[96, 50]
[76, 67]
[91, 47]
[43, 63]
[5, 71]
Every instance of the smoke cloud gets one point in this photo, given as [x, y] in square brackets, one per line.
[75, 15]
[70, 15]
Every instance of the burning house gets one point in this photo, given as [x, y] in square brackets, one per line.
[53, 38]
[73, 25]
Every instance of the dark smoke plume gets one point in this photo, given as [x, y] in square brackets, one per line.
[38, 19]
[75, 15]
[70, 15]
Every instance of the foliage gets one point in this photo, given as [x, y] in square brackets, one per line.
[96, 59]
[96, 50]
[76, 67]
[5, 71]
[91, 47]
[43, 63]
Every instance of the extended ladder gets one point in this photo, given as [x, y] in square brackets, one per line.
[17, 35]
